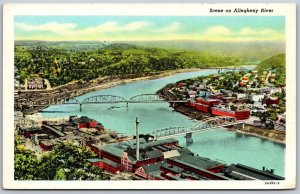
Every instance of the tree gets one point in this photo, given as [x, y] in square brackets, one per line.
[64, 162]
[25, 163]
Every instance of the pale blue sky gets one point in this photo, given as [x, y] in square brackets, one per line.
[114, 28]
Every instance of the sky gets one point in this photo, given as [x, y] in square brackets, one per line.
[148, 28]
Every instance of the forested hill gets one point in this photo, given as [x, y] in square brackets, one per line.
[276, 64]
[61, 65]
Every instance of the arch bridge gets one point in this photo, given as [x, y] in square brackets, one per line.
[204, 125]
[103, 99]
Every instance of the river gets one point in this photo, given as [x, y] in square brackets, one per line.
[218, 144]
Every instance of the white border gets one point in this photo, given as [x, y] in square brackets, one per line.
[11, 10]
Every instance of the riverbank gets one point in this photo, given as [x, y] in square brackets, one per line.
[78, 88]
[260, 136]
[271, 135]
[109, 135]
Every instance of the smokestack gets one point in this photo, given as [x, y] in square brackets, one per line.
[137, 139]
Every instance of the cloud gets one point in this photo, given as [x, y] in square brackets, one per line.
[172, 27]
[140, 30]
[51, 27]
[218, 30]
[135, 26]
[67, 29]
[250, 31]
[223, 33]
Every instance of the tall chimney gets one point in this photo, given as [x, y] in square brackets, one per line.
[137, 139]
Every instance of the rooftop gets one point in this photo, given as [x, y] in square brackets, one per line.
[54, 130]
[113, 150]
[151, 168]
[198, 161]
[109, 162]
[145, 155]
[241, 171]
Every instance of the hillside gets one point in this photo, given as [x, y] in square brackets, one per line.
[277, 65]
[275, 62]
[246, 51]
[60, 63]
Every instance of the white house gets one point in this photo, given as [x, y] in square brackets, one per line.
[241, 95]
[256, 97]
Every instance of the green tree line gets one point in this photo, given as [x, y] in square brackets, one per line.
[61, 66]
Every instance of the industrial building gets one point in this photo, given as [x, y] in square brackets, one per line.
[166, 160]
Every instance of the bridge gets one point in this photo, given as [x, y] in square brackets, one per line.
[204, 125]
[103, 99]
[53, 101]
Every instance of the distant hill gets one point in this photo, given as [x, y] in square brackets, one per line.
[68, 45]
[246, 51]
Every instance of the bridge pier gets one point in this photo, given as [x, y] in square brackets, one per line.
[80, 107]
[126, 104]
[189, 139]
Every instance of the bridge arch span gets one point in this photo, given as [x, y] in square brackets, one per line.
[101, 99]
[204, 125]
[146, 98]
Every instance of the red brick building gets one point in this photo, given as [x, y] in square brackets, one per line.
[105, 164]
[240, 115]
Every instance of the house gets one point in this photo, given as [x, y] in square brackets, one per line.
[228, 93]
[254, 121]
[47, 145]
[241, 95]
[266, 90]
[35, 83]
[150, 171]
[192, 94]
[216, 96]
[181, 84]
[271, 101]
[204, 94]
[200, 87]
[85, 122]
[228, 99]
[30, 131]
[242, 84]
[256, 97]
[275, 90]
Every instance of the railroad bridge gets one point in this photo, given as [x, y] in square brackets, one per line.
[204, 125]
[103, 99]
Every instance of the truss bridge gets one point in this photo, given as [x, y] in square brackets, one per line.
[103, 99]
[204, 125]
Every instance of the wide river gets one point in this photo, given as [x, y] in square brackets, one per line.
[218, 144]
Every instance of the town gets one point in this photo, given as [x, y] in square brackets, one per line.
[257, 99]
[140, 157]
